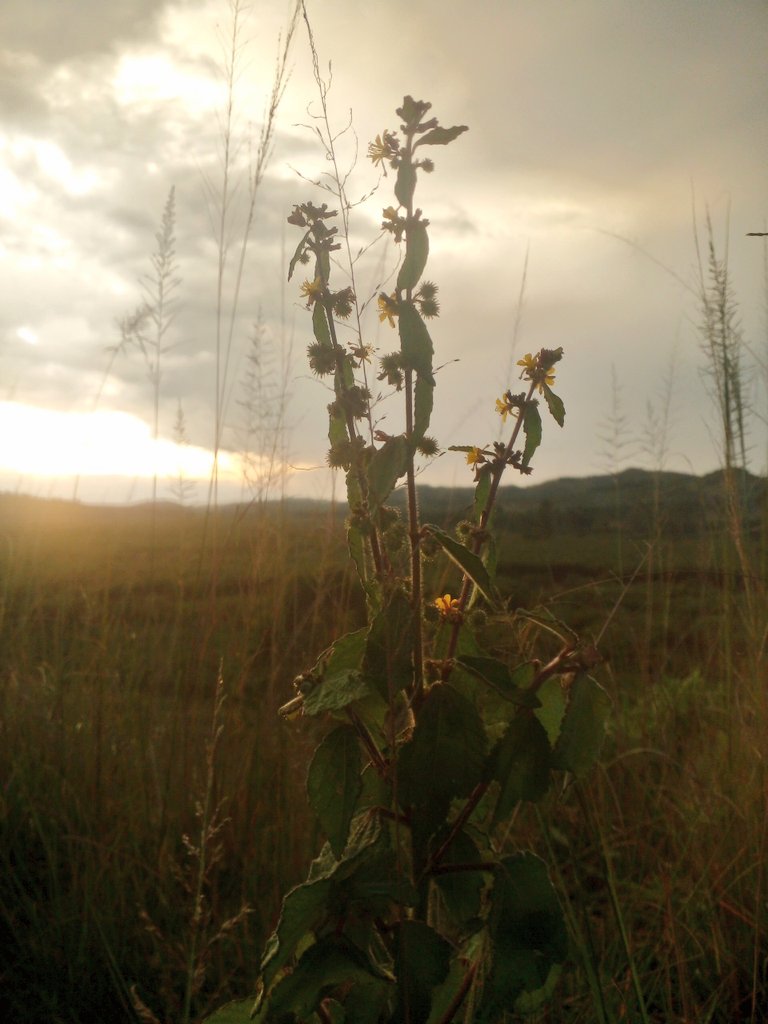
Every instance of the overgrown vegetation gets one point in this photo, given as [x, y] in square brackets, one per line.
[153, 804]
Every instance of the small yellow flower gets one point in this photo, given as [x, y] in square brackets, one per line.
[388, 308]
[536, 373]
[312, 290]
[504, 407]
[381, 149]
[448, 607]
[475, 457]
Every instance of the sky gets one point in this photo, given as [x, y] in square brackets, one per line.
[600, 133]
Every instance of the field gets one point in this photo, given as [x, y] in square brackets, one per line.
[152, 802]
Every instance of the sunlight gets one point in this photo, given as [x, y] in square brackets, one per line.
[147, 79]
[48, 443]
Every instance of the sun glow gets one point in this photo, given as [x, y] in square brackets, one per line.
[47, 443]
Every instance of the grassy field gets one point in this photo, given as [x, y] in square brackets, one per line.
[152, 801]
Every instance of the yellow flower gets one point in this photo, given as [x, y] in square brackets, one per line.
[504, 407]
[536, 373]
[312, 290]
[475, 456]
[381, 149]
[448, 607]
[388, 308]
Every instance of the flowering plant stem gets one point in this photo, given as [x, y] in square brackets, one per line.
[416, 906]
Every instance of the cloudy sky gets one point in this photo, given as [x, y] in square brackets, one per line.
[597, 127]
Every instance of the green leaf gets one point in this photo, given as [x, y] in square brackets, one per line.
[482, 490]
[388, 663]
[296, 258]
[532, 431]
[441, 136]
[583, 727]
[422, 960]
[461, 890]
[555, 404]
[334, 785]
[416, 255]
[520, 763]
[320, 325]
[415, 342]
[304, 907]
[470, 564]
[526, 929]
[405, 184]
[323, 968]
[445, 756]
[232, 1013]
[341, 682]
[497, 675]
[445, 993]
[552, 702]
[386, 467]
[365, 1003]
[423, 398]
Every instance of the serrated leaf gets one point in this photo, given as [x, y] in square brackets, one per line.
[583, 726]
[445, 756]
[324, 967]
[497, 675]
[296, 258]
[460, 890]
[405, 183]
[303, 909]
[441, 136]
[388, 663]
[555, 405]
[416, 255]
[532, 431]
[520, 763]
[422, 961]
[470, 564]
[422, 406]
[334, 784]
[552, 702]
[415, 342]
[341, 681]
[386, 467]
[526, 929]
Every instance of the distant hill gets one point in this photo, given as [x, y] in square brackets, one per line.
[683, 503]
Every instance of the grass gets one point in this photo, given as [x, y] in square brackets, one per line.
[110, 659]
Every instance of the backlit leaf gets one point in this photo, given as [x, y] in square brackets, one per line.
[416, 255]
[583, 726]
[520, 762]
[532, 431]
[526, 929]
[333, 784]
[445, 756]
[441, 136]
[341, 681]
[296, 258]
[555, 405]
[386, 467]
[415, 342]
[470, 564]
[422, 405]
